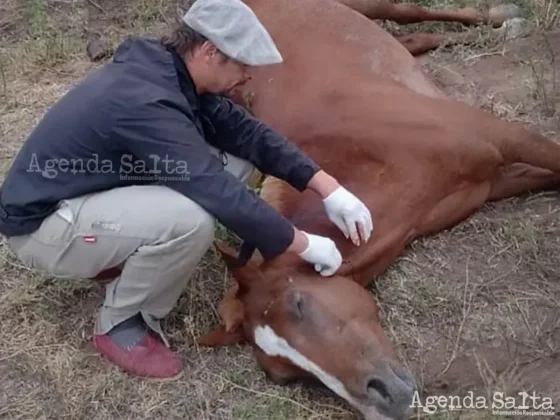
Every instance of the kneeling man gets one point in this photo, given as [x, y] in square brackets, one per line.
[160, 105]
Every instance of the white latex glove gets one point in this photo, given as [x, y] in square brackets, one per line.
[346, 211]
[322, 253]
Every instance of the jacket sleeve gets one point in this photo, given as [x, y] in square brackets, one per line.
[239, 133]
[163, 133]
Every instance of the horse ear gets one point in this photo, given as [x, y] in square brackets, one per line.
[244, 274]
[231, 309]
[227, 253]
[231, 312]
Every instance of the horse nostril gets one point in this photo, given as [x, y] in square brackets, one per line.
[376, 386]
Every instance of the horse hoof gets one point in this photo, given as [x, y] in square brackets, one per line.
[500, 14]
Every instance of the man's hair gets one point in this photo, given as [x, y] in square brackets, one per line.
[184, 39]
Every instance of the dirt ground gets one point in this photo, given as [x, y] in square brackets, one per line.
[475, 308]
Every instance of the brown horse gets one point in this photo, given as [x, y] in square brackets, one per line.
[354, 99]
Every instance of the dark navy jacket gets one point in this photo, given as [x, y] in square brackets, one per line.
[140, 105]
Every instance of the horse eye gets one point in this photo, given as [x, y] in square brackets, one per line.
[300, 306]
[296, 301]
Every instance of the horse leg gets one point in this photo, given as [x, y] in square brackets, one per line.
[519, 178]
[509, 181]
[411, 13]
[421, 43]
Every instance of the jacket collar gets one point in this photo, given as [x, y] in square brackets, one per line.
[186, 83]
[188, 89]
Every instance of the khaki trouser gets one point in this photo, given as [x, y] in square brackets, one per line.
[155, 234]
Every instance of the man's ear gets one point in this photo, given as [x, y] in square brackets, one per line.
[246, 274]
[209, 50]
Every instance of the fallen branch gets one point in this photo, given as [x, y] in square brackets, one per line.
[3, 77]
[97, 6]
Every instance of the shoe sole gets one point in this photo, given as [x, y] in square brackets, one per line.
[159, 380]
[148, 378]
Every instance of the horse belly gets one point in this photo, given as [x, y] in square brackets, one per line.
[326, 48]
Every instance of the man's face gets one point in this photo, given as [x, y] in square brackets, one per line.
[229, 74]
[224, 73]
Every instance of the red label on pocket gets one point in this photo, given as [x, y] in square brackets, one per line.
[90, 239]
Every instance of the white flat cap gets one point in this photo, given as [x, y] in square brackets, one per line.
[234, 29]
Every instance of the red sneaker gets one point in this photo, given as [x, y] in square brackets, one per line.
[150, 358]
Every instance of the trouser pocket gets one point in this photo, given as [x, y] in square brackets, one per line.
[40, 249]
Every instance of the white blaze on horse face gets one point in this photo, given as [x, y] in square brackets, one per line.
[274, 345]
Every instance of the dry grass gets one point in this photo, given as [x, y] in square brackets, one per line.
[475, 308]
